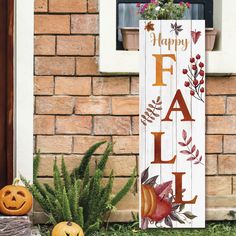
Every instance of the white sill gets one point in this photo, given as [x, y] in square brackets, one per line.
[218, 62]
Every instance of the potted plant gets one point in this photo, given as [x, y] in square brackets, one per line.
[160, 10]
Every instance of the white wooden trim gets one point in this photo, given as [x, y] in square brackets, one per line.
[219, 61]
[24, 99]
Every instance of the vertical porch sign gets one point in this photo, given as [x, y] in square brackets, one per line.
[172, 124]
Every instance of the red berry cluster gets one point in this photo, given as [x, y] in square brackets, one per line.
[195, 75]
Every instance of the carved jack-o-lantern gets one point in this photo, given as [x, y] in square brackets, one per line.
[15, 200]
[67, 229]
[149, 200]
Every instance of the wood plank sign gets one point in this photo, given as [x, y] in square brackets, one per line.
[172, 124]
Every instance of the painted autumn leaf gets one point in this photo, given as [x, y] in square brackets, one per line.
[196, 35]
[176, 28]
[149, 26]
[163, 190]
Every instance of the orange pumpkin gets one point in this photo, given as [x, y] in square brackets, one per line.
[67, 229]
[15, 200]
[149, 200]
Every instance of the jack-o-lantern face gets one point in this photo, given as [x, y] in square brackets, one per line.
[67, 229]
[15, 200]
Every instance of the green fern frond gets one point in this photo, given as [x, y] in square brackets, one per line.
[66, 207]
[79, 172]
[65, 175]
[102, 163]
[125, 189]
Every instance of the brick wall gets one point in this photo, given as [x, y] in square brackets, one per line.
[76, 106]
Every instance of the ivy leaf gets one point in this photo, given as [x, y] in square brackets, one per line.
[189, 215]
[144, 175]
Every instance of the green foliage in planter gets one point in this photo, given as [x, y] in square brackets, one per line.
[78, 197]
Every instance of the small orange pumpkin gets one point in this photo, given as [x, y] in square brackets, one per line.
[67, 229]
[149, 200]
[15, 200]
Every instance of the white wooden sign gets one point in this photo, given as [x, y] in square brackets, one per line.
[172, 124]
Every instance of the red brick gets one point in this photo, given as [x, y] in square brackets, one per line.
[74, 6]
[44, 124]
[126, 144]
[215, 105]
[84, 24]
[211, 164]
[76, 45]
[52, 24]
[227, 164]
[221, 125]
[229, 144]
[83, 143]
[54, 66]
[231, 105]
[112, 125]
[54, 105]
[135, 85]
[92, 105]
[125, 105]
[135, 125]
[54, 144]
[44, 45]
[43, 85]
[93, 6]
[110, 85]
[221, 85]
[40, 5]
[214, 143]
[219, 185]
[73, 85]
[87, 66]
[73, 124]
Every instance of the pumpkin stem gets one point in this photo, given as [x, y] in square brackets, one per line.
[16, 181]
[69, 223]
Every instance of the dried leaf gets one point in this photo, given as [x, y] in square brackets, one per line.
[144, 122]
[163, 190]
[158, 99]
[144, 175]
[185, 152]
[191, 159]
[189, 141]
[156, 115]
[159, 103]
[182, 144]
[150, 105]
[153, 118]
[200, 159]
[176, 217]
[197, 153]
[182, 206]
[193, 149]
[150, 121]
[184, 134]
[153, 102]
[152, 181]
[168, 222]
[143, 116]
[175, 207]
[159, 108]
[146, 113]
[148, 109]
[189, 215]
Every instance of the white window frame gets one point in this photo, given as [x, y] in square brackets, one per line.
[23, 88]
[218, 62]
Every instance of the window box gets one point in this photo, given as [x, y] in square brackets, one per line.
[220, 61]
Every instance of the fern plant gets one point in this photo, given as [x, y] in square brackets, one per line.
[78, 197]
